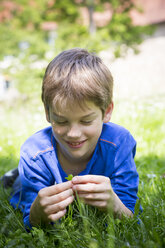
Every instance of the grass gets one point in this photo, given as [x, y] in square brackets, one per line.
[86, 226]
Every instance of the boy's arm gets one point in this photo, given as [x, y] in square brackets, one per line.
[117, 190]
[41, 202]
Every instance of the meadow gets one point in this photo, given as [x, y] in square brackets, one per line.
[85, 226]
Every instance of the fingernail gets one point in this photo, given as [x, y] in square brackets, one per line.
[74, 179]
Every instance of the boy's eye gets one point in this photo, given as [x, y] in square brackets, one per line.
[86, 122]
[58, 122]
[61, 122]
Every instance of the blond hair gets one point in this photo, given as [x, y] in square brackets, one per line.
[76, 75]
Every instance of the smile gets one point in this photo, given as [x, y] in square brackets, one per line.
[76, 144]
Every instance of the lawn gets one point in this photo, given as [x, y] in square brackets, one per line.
[87, 227]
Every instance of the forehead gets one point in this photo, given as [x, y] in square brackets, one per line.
[75, 109]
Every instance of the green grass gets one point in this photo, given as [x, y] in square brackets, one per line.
[87, 227]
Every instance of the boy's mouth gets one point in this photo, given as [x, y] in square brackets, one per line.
[75, 144]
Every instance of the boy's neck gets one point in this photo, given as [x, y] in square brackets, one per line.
[71, 167]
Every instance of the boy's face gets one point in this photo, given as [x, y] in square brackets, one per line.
[77, 130]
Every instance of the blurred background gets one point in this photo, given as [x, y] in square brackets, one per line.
[129, 35]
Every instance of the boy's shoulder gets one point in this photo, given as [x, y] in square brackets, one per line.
[40, 141]
[114, 134]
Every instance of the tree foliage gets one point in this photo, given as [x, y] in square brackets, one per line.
[24, 24]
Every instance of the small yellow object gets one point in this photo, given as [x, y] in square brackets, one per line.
[69, 177]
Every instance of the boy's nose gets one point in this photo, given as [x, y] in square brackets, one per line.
[74, 132]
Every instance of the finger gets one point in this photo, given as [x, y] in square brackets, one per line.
[57, 216]
[94, 196]
[91, 187]
[90, 179]
[55, 189]
[55, 208]
[57, 198]
[98, 204]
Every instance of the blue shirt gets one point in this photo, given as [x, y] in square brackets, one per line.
[113, 157]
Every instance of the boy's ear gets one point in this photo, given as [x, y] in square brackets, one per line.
[108, 113]
[47, 113]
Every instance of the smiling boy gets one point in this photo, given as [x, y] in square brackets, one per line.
[77, 95]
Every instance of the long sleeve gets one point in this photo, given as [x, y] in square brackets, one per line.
[34, 175]
[124, 178]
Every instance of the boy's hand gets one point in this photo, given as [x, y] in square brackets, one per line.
[94, 190]
[51, 202]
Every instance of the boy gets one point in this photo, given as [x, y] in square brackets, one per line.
[77, 95]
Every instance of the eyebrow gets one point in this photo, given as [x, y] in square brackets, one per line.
[84, 116]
